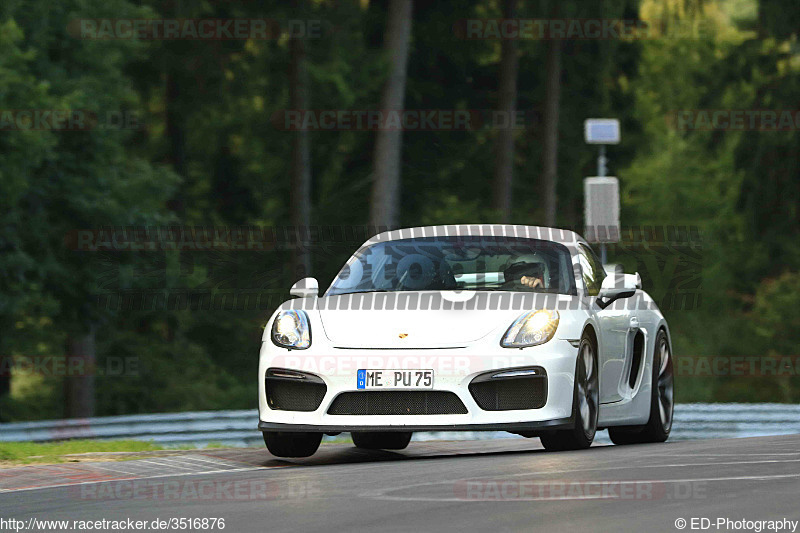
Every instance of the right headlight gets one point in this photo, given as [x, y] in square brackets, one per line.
[531, 329]
[291, 330]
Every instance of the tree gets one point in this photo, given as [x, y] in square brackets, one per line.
[300, 198]
[82, 179]
[551, 109]
[770, 190]
[385, 202]
[506, 105]
[20, 153]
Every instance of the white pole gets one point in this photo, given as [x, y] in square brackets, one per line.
[601, 171]
[601, 162]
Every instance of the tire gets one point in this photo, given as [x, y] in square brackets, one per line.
[382, 440]
[289, 444]
[585, 403]
[662, 401]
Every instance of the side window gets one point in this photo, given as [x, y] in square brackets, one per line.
[592, 269]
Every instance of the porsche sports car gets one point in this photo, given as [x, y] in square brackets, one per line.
[479, 327]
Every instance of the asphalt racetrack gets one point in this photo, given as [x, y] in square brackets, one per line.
[500, 485]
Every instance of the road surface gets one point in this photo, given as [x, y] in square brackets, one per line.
[502, 485]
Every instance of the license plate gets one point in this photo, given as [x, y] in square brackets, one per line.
[394, 379]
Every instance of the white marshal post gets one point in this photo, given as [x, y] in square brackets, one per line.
[601, 192]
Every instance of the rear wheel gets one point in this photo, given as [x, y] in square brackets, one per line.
[584, 405]
[382, 440]
[290, 444]
[662, 401]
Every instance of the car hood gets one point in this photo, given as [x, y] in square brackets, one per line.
[427, 319]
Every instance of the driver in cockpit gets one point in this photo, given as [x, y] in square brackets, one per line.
[525, 271]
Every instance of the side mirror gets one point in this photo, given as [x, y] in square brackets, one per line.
[618, 286]
[305, 287]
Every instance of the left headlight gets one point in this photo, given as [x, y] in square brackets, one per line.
[531, 329]
[291, 330]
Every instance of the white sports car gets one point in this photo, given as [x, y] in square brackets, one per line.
[484, 327]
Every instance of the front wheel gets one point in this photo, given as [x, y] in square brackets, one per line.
[291, 444]
[585, 403]
[382, 440]
[662, 401]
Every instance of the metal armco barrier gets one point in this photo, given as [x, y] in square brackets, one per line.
[238, 428]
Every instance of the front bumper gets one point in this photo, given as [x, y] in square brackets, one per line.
[454, 370]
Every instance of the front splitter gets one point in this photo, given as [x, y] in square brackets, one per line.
[514, 427]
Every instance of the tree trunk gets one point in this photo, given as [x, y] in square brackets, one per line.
[174, 114]
[551, 106]
[5, 378]
[6, 362]
[506, 105]
[177, 139]
[5, 375]
[385, 204]
[79, 379]
[300, 201]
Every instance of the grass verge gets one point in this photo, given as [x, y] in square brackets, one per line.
[12, 453]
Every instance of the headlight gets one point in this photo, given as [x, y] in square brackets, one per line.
[291, 330]
[531, 329]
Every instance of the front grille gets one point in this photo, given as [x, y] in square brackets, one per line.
[510, 394]
[397, 403]
[294, 394]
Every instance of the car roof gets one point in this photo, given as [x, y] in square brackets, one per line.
[563, 236]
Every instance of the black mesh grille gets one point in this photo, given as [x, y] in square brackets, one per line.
[510, 394]
[397, 403]
[286, 395]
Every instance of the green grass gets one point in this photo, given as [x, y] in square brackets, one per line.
[54, 452]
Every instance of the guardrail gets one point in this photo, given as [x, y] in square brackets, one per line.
[238, 428]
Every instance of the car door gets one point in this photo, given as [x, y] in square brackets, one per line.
[614, 323]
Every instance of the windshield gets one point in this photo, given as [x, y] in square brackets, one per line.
[459, 263]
